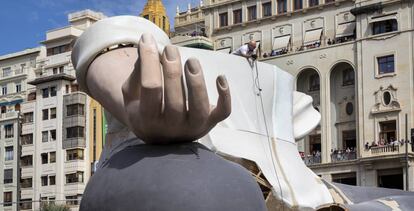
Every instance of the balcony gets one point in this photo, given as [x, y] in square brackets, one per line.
[8, 115]
[193, 41]
[312, 159]
[67, 75]
[13, 73]
[343, 155]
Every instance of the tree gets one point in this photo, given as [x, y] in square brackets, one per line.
[54, 207]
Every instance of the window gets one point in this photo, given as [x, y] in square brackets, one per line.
[61, 69]
[386, 97]
[53, 113]
[26, 204]
[9, 131]
[4, 90]
[45, 136]
[385, 64]
[349, 108]
[74, 154]
[52, 200]
[163, 22]
[384, 26]
[53, 91]
[26, 161]
[74, 87]
[28, 117]
[281, 6]
[348, 77]
[17, 107]
[26, 183]
[75, 109]
[18, 88]
[388, 131]
[74, 177]
[27, 139]
[313, 3]
[251, 13]
[314, 84]
[45, 114]
[31, 96]
[9, 153]
[237, 16]
[267, 9]
[67, 89]
[45, 92]
[8, 176]
[53, 135]
[44, 180]
[44, 158]
[52, 157]
[8, 198]
[3, 109]
[55, 70]
[52, 180]
[223, 19]
[58, 50]
[75, 132]
[73, 200]
[298, 4]
[7, 71]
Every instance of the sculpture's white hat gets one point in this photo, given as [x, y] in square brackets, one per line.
[110, 32]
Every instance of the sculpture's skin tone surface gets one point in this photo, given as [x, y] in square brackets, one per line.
[148, 94]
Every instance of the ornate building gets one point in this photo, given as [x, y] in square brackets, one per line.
[155, 11]
[354, 57]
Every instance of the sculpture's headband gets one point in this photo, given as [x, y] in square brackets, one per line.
[107, 33]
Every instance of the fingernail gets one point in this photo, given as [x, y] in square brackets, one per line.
[222, 81]
[193, 66]
[171, 53]
[147, 38]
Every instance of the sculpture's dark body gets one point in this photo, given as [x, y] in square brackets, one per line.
[171, 177]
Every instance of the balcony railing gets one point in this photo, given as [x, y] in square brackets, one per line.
[8, 115]
[385, 149]
[312, 159]
[15, 72]
[343, 155]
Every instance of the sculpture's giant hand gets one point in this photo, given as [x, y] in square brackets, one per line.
[155, 97]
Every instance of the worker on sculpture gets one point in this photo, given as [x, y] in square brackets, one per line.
[247, 51]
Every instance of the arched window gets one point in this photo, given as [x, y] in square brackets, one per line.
[17, 107]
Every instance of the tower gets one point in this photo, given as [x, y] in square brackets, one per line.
[154, 11]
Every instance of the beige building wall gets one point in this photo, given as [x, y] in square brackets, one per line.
[96, 135]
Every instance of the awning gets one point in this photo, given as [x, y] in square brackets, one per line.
[281, 42]
[224, 50]
[14, 102]
[312, 36]
[383, 18]
[345, 29]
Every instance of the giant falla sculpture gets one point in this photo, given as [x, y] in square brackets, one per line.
[170, 109]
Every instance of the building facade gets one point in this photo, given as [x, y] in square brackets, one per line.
[16, 69]
[61, 125]
[355, 58]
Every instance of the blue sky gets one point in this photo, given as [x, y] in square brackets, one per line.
[23, 23]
